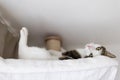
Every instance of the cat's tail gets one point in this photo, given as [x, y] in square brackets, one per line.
[23, 37]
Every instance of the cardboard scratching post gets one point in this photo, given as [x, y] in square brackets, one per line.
[53, 43]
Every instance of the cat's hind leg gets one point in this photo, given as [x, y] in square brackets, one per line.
[23, 36]
[24, 31]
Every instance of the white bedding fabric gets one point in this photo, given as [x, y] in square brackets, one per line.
[97, 68]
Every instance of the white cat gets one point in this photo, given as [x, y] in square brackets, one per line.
[26, 52]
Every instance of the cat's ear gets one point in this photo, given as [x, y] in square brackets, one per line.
[110, 55]
[103, 50]
[107, 53]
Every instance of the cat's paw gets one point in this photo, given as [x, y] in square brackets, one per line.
[21, 32]
[24, 31]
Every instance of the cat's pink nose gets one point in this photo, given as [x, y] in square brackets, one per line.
[90, 46]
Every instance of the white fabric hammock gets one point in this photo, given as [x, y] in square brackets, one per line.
[97, 68]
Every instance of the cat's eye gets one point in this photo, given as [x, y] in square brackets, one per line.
[98, 48]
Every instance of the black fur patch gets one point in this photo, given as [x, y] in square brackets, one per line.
[65, 58]
[73, 54]
[91, 55]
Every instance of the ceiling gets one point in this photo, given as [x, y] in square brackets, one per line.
[77, 21]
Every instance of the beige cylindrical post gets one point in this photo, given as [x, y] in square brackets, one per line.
[53, 43]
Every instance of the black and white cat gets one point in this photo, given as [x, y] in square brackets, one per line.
[26, 52]
[90, 50]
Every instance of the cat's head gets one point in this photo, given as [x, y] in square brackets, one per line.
[93, 48]
[96, 49]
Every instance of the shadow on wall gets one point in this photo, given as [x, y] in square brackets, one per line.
[9, 35]
[9, 20]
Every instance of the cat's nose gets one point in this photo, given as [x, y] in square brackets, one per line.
[90, 47]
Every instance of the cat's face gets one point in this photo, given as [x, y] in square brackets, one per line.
[93, 48]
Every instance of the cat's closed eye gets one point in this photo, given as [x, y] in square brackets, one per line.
[98, 48]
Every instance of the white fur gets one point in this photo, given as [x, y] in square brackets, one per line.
[26, 52]
[90, 48]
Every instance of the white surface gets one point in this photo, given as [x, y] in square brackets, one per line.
[97, 68]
